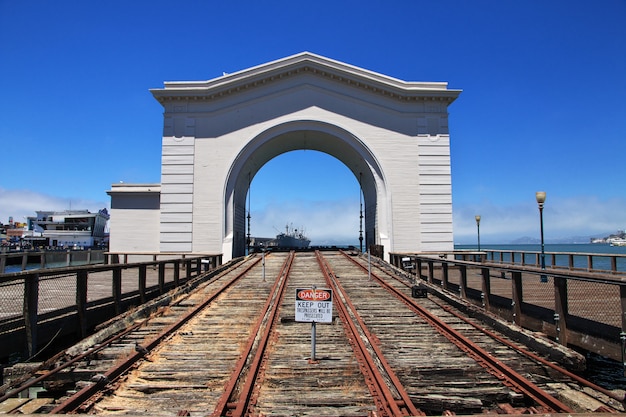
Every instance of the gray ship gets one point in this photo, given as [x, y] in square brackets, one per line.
[290, 238]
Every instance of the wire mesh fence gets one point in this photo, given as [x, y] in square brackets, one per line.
[538, 290]
[130, 281]
[595, 301]
[11, 299]
[56, 292]
[68, 298]
[567, 301]
[99, 285]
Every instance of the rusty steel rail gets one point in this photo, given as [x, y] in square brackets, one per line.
[48, 374]
[390, 401]
[484, 358]
[81, 399]
[619, 396]
[234, 402]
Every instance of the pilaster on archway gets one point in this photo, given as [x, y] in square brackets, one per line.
[305, 135]
[218, 133]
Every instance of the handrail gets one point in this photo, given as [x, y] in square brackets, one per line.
[42, 301]
[580, 307]
[613, 262]
[63, 258]
[580, 275]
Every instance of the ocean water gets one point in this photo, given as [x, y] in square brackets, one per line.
[18, 268]
[599, 262]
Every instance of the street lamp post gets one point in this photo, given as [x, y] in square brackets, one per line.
[360, 214]
[478, 229]
[541, 198]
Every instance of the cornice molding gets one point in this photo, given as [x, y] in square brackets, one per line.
[305, 63]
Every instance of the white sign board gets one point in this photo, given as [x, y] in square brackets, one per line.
[314, 305]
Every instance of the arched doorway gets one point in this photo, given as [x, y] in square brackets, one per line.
[303, 135]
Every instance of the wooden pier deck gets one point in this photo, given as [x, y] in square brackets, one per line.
[187, 368]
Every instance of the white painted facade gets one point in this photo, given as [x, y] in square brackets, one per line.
[134, 224]
[218, 134]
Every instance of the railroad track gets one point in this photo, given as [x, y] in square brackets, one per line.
[233, 348]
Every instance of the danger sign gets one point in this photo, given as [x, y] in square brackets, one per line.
[314, 305]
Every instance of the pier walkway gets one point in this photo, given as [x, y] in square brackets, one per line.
[406, 339]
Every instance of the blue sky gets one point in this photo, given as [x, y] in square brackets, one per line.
[543, 104]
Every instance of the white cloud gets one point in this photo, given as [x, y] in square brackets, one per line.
[23, 203]
[336, 222]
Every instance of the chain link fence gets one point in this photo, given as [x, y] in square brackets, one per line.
[11, 303]
[68, 300]
[56, 292]
[568, 300]
[595, 301]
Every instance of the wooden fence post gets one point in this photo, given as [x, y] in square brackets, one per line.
[561, 309]
[486, 288]
[188, 268]
[81, 302]
[418, 268]
[142, 283]
[176, 272]
[431, 272]
[117, 289]
[622, 294]
[31, 303]
[161, 277]
[463, 280]
[444, 275]
[516, 295]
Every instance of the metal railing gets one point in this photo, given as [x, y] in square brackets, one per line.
[42, 259]
[41, 306]
[570, 305]
[591, 262]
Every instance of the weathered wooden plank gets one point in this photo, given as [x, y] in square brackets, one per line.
[12, 404]
[34, 405]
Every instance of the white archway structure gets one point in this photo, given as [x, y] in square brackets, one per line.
[393, 135]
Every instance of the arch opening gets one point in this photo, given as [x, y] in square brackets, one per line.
[308, 191]
[303, 135]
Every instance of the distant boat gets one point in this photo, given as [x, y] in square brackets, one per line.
[290, 238]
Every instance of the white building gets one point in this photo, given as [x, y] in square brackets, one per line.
[70, 228]
[217, 134]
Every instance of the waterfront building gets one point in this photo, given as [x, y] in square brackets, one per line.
[68, 229]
